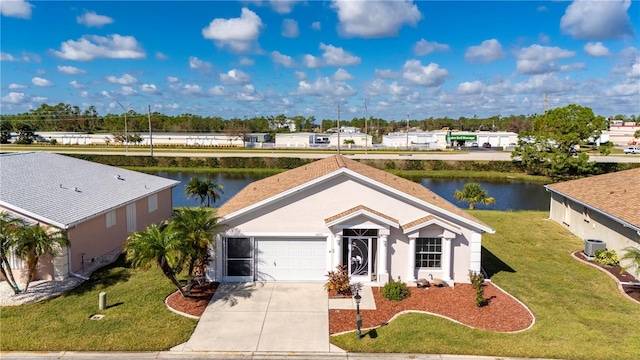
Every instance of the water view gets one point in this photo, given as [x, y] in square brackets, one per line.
[509, 195]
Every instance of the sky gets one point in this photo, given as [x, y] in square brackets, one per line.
[388, 59]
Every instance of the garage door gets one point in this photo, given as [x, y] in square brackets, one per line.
[291, 259]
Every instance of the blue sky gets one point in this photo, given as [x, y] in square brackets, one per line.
[252, 58]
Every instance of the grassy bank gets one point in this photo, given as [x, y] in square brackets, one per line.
[580, 314]
[470, 174]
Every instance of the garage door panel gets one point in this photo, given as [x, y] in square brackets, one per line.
[291, 259]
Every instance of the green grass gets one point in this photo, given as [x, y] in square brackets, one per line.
[580, 314]
[136, 318]
[469, 174]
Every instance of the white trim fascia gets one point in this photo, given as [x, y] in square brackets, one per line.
[33, 215]
[366, 213]
[614, 218]
[277, 234]
[438, 222]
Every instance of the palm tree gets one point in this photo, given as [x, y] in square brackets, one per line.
[195, 227]
[157, 244]
[473, 194]
[10, 228]
[633, 255]
[34, 242]
[206, 190]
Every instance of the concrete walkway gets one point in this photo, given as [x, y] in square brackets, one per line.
[264, 317]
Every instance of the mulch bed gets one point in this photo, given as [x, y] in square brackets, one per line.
[196, 303]
[502, 313]
[615, 271]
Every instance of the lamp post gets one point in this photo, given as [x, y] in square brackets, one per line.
[357, 298]
[126, 133]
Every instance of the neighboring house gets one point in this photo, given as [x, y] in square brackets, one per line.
[300, 224]
[604, 207]
[98, 205]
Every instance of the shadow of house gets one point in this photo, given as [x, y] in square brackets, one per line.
[492, 265]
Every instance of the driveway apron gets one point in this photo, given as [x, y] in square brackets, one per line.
[264, 317]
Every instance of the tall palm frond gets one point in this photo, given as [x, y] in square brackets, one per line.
[633, 255]
[36, 241]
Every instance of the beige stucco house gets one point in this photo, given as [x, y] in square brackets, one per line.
[604, 207]
[98, 205]
[300, 224]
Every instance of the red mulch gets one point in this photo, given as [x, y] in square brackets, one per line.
[502, 313]
[616, 271]
[196, 303]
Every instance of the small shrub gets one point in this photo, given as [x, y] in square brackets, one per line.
[607, 257]
[395, 290]
[338, 281]
[476, 281]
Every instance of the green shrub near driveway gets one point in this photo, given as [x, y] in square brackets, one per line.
[395, 290]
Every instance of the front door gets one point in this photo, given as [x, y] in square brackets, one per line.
[238, 259]
[359, 258]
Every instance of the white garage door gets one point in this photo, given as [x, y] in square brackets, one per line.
[291, 259]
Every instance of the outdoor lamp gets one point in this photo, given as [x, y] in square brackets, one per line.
[357, 298]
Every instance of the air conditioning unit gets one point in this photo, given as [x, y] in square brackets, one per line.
[592, 245]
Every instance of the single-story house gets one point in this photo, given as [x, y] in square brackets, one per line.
[97, 205]
[603, 207]
[302, 223]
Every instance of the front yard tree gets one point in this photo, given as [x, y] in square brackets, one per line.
[5, 132]
[206, 190]
[34, 242]
[10, 229]
[473, 194]
[633, 255]
[551, 148]
[160, 245]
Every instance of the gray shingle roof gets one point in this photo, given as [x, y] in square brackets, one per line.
[63, 191]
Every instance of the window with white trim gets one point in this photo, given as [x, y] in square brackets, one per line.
[429, 253]
[153, 202]
[110, 218]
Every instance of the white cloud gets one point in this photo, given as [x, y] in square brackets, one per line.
[336, 56]
[25, 57]
[342, 75]
[290, 28]
[197, 64]
[128, 91]
[149, 89]
[106, 94]
[7, 57]
[375, 19]
[538, 59]
[380, 87]
[430, 76]
[218, 90]
[325, 88]
[386, 74]
[311, 61]
[544, 83]
[71, 70]
[486, 52]
[424, 47]
[301, 75]
[91, 19]
[285, 60]
[37, 81]
[283, 6]
[16, 87]
[126, 79]
[627, 89]
[316, 25]
[15, 8]
[190, 89]
[597, 20]
[248, 93]
[238, 34]
[40, 72]
[245, 61]
[172, 79]
[469, 88]
[544, 38]
[15, 98]
[84, 94]
[161, 56]
[235, 76]
[76, 84]
[596, 49]
[91, 47]
[542, 8]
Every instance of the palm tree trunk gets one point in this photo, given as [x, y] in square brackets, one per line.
[8, 274]
[32, 264]
[168, 272]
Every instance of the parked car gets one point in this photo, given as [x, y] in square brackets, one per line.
[486, 145]
[632, 150]
[474, 144]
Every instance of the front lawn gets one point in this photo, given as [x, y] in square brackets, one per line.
[136, 318]
[580, 313]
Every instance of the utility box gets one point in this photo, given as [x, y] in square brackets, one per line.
[593, 245]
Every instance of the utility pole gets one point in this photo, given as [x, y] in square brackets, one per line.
[126, 133]
[150, 132]
[366, 136]
[407, 131]
[338, 129]
[546, 103]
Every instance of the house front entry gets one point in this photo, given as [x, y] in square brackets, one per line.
[359, 250]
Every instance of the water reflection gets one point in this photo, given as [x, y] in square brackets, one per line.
[509, 195]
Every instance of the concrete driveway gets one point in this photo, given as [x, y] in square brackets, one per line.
[290, 317]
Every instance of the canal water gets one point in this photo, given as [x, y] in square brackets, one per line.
[509, 195]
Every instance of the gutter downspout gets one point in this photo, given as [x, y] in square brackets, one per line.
[82, 277]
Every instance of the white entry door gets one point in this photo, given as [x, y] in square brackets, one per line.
[291, 259]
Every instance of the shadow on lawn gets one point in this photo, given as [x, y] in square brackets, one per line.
[117, 272]
[492, 264]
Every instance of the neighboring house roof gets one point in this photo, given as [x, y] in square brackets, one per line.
[277, 186]
[63, 191]
[616, 195]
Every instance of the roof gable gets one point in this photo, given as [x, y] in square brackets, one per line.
[62, 191]
[615, 194]
[277, 186]
[361, 210]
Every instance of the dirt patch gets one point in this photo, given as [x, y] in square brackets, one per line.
[617, 273]
[196, 303]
